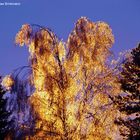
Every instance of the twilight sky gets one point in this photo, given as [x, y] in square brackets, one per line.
[60, 15]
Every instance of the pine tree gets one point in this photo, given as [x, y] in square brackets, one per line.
[3, 115]
[129, 104]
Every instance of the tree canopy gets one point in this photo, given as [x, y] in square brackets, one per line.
[70, 90]
[129, 104]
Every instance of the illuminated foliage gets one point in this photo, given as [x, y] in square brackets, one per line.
[23, 35]
[7, 82]
[72, 82]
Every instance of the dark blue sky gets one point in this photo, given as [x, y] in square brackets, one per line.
[60, 15]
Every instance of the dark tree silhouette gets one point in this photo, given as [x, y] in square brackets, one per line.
[4, 124]
[129, 103]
